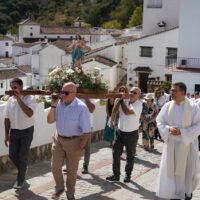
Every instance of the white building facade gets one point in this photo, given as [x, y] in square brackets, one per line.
[188, 61]
[147, 57]
[5, 47]
[160, 15]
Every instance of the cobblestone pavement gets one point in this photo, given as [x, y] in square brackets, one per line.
[93, 186]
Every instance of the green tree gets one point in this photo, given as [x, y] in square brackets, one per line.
[113, 24]
[136, 18]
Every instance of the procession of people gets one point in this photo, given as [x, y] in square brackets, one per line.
[172, 118]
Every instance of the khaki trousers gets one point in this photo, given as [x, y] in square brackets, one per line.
[63, 150]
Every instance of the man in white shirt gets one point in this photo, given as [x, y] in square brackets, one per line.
[19, 127]
[127, 133]
[179, 126]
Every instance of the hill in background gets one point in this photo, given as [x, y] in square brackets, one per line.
[107, 13]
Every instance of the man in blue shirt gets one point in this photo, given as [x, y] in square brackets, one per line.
[73, 131]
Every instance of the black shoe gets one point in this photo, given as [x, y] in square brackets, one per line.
[127, 179]
[85, 169]
[113, 178]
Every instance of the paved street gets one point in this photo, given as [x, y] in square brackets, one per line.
[93, 186]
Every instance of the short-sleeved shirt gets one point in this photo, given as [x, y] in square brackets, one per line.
[18, 119]
[129, 123]
[72, 119]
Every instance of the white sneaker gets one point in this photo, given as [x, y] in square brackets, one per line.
[18, 185]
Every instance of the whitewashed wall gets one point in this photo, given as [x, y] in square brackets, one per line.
[26, 30]
[22, 59]
[189, 43]
[189, 78]
[44, 131]
[4, 48]
[49, 57]
[160, 43]
[111, 76]
[168, 13]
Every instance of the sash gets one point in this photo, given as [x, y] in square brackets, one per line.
[183, 148]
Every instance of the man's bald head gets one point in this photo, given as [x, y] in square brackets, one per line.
[70, 87]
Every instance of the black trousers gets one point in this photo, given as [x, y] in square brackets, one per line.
[129, 140]
[20, 142]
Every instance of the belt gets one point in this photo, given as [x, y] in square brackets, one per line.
[69, 137]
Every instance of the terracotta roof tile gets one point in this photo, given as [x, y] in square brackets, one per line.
[25, 68]
[67, 30]
[26, 45]
[101, 59]
[9, 73]
[28, 22]
[143, 69]
[4, 37]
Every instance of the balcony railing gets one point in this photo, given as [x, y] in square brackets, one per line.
[171, 61]
[182, 62]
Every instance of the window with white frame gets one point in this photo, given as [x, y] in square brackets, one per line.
[6, 44]
[146, 51]
[154, 4]
[1, 85]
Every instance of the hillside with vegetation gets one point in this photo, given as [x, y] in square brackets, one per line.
[105, 13]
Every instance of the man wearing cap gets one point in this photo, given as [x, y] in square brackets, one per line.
[73, 128]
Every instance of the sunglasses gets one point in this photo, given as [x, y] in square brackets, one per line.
[133, 92]
[65, 93]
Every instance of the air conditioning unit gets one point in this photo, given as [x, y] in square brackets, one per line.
[184, 62]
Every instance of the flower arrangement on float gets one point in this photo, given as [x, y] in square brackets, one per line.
[85, 80]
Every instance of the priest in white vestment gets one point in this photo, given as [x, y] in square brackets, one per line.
[179, 125]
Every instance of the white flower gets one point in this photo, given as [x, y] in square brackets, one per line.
[97, 71]
[70, 71]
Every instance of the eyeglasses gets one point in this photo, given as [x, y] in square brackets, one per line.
[133, 92]
[65, 93]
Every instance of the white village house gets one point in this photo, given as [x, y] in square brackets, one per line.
[168, 40]
[30, 31]
[188, 60]
[5, 46]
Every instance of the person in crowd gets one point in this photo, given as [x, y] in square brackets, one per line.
[19, 128]
[91, 106]
[77, 47]
[159, 100]
[114, 119]
[179, 126]
[127, 133]
[73, 131]
[109, 132]
[196, 96]
[165, 95]
[148, 121]
[188, 95]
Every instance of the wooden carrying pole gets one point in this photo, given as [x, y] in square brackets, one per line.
[106, 95]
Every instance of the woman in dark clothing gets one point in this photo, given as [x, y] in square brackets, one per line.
[109, 132]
